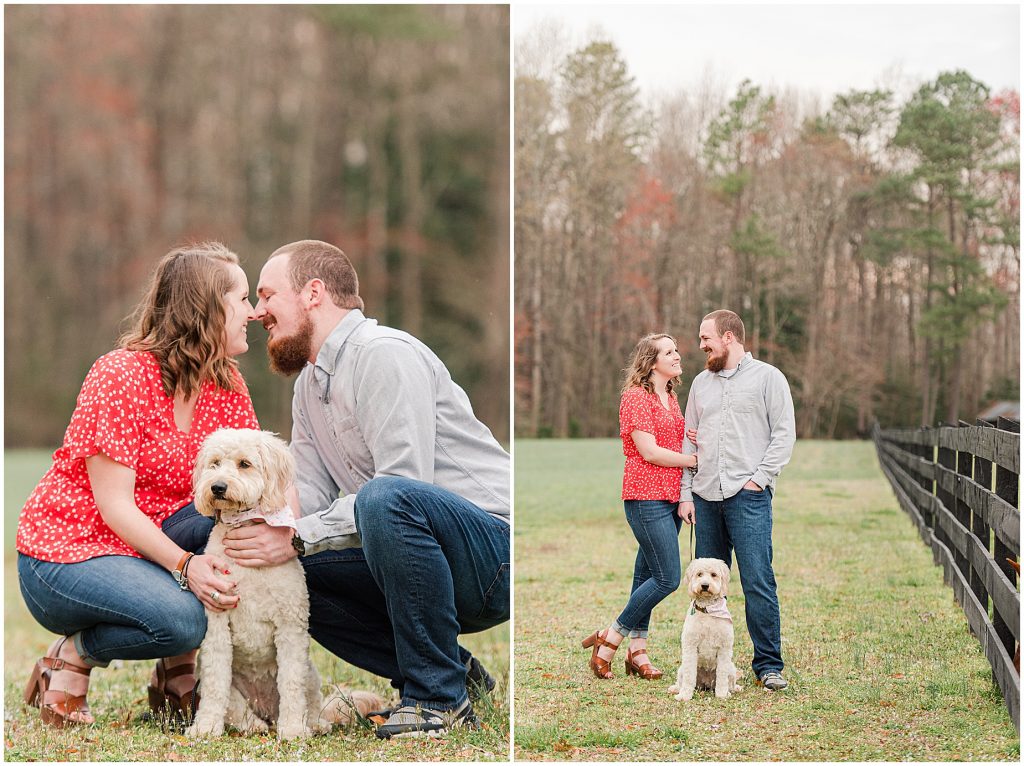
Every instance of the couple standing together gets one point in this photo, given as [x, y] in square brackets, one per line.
[715, 468]
[404, 494]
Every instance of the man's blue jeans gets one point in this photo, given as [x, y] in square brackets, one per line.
[656, 572]
[743, 523]
[443, 566]
[432, 565]
[116, 607]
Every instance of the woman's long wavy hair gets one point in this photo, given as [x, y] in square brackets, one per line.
[180, 320]
[638, 373]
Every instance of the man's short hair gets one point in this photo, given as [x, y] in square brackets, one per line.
[313, 259]
[727, 321]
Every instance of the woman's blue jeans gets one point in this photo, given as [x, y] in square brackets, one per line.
[116, 607]
[743, 523]
[656, 572]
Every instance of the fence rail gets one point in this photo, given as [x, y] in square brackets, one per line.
[960, 485]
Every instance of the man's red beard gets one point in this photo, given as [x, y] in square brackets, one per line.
[716, 363]
[288, 355]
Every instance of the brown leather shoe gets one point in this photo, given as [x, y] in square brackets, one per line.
[164, 702]
[647, 670]
[602, 668]
[57, 708]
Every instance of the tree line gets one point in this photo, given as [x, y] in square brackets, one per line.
[872, 248]
[132, 129]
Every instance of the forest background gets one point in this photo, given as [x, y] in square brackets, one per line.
[872, 247]
[131, 129]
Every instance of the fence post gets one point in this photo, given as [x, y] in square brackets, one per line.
[927, 452]
[947, 459]
[1007, 487]
[981, 530]
[964, 513]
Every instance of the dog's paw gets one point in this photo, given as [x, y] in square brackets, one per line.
[322, 726]
[293, 731]
[205, 727]
[254, 725]
[673, 689]
[723, 694]
[685, 695]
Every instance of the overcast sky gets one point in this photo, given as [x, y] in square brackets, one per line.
[817, 49]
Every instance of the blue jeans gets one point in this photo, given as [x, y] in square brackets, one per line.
[432, 566]
[743, 523]
[656, 572]
[115, 607]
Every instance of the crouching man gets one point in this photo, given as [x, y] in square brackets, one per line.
[404, 494]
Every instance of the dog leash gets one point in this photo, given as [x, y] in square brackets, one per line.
[691, 538]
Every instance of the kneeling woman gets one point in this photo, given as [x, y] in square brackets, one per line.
[652, 430]
[93, 563]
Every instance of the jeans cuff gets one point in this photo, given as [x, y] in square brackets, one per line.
[637, 633]
[90, 662]
[618, 628]
[439, 707]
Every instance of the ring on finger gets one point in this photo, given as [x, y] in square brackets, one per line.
[215, 595]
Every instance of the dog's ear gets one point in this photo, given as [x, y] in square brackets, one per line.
[688, 574]
[279, 470]
[199, 498]
[725, 574]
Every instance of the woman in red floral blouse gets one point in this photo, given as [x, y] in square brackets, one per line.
[652, 430]
[93, 563]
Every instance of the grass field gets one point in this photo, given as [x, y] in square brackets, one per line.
[881, 664]
[117, 695]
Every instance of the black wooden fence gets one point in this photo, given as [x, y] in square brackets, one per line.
[960, 486]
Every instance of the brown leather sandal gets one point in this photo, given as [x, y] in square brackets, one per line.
[647, 670]
[57, 708]
[164, 702]
[602, 668]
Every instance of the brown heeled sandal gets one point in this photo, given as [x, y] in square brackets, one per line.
[164, 702]
[56, 706]
[602, 668]
[647, 670]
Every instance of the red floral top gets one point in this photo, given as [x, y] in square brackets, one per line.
[122, 412]
[641, 411]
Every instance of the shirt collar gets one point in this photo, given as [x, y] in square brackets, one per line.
[739, 365]
[327, 357]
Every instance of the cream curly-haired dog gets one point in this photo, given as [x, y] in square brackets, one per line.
[254, 666]
[707, 636]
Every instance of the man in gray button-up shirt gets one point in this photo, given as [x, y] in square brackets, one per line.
[743, 413]
[404, 494]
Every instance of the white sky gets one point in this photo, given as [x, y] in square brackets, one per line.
[816, 49]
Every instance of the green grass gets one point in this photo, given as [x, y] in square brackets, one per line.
[117, 695]
[881, 664]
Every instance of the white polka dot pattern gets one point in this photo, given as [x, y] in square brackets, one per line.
[641, 411]
[123, 413]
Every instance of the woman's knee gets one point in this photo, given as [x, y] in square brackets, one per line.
[669, 584]
[182, 626]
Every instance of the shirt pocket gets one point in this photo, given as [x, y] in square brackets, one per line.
[745, 402]
[353, 449]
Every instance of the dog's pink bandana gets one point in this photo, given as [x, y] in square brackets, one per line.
[280, 518]
[716, 608]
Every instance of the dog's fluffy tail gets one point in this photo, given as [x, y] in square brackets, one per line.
[341, 705]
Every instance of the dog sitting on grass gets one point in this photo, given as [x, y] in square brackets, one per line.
[254, 666]
[707, 636]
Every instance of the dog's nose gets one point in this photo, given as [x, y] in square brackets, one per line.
[219, 489]
[705, 586]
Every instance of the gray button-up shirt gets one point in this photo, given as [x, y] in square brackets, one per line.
[378, 402]
[746, 429]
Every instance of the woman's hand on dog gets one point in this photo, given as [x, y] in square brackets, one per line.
[259, 545]
[205, 577]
